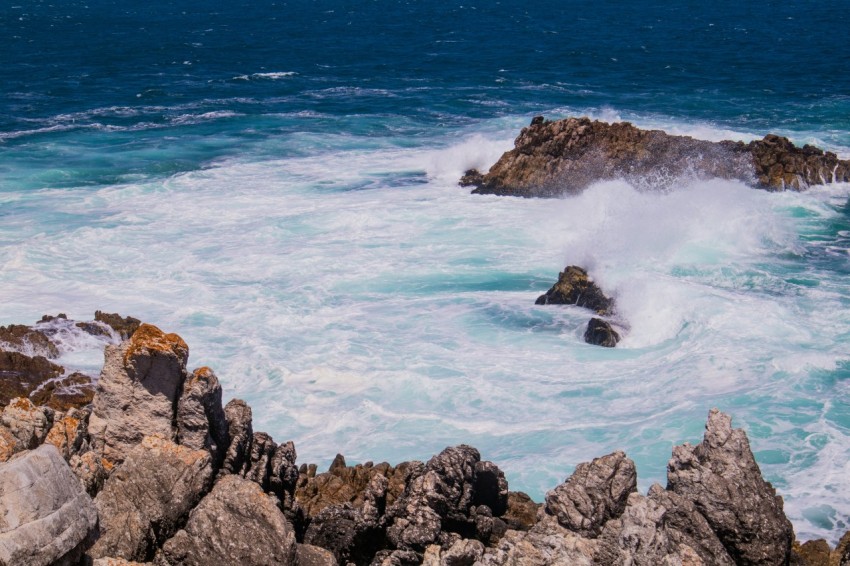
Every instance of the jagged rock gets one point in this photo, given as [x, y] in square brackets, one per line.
[20, 374]
[125, 327]
[27, 340]
[491, 487]
[47, 518]
[813, 553]
[308, 555]
[68, 433]
[397, 558]
[148, 496]
[28, 423]
[241, 434]
[90, 470]
[596, 492]
[554, 158]
[235, 524]
[283, 473]
[721, 478]
[601, 333]
[649, 533]
[201, 422]
[117, 562]
[137, 391]
[546, 544]
[258, 468]
[521, 514]
[841, 555]
[73, 391]
[346, 533]
[574, 287]
[465, 552]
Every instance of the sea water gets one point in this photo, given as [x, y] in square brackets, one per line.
[277, 183]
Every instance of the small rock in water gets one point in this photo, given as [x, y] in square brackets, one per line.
[601, 333]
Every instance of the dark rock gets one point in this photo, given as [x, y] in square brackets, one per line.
[601, 333]
[721, 478]
[565, 156]
[521, 514]
[201, 422]
[491, 487]
[397, 558]
[841, 555]
[125, 327]
[574, 287]
[20, 374]
[346, 533]
[240, 431]
[595, 493]
[235, 524]
[71, 392]
[148, 497]
[308, 555]
[46, 516]
[27, 340]
[471, 178]
[813, 552]
[93, 328]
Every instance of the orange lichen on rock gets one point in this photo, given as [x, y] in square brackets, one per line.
[8, 444]
[151, 339]
[63, 433]
[164, 446]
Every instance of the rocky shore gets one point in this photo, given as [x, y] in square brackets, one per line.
[155, 469]
[553, 158]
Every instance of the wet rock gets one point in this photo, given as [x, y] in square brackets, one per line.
[20, 374]
[137, 392]
[201, 422]
[566, 156]
[28, 423]
[574, 287]
[28, 341]
[125, 327]
[240, 433]
[595, 493]
[73, 391]
[546, 544]
[148, 496]
[521, 514]
[235, 524]
[601, 333]
[308, 555]
[471, 178]
[47, 517]
[721, 478]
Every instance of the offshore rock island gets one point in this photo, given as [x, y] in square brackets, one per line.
[153, 468]
[554, 158]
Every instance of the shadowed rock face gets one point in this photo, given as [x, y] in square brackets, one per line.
[551, 159]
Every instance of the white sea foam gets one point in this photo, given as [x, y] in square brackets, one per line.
[388, 323]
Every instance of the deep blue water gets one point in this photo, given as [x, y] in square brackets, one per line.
[277, 183]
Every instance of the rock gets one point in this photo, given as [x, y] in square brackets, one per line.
[148, 497]
[125, 327]
[546, 544]
[521, 514]
[491, 487]
[308, 555]
[601, 333]
[240, 432]
[68, 433]
[462, 553]
[28, 341]
[117, 562]
[137, 392]
[472, 178]
[566, 156]
[46, 516]
[721, 478]
[235, 524]
[596, 492]
[397, 558]
[20, 374]
[813, 552]
[283, 474]
[74, 391]
[841, 555]
[90, 470]
[574, 287]
[201, 422]
[29, 424]
[346, 533]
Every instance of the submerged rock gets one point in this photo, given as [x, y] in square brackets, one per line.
[600, 333]
[552, 158]
[574, 287]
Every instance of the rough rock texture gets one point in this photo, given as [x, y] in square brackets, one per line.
[814, 552]
[137, 392]
[68, 433]
[841, 555]
[201, 422]
[25, 426]
[90, 470]
[45, 516]
[20, 374]
[308, 555]
[491, 488]
[73, 391]
[117, 562]
[148, 496]
[347, 533]
[27, 340]
[554, 158]
[600, 333]
[240, 432]
[546, 544]
[596, 492]
[125, 327]
[721, 478]
[521, 514]
[235, 524]
[574, 287]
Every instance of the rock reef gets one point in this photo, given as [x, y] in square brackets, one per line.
[156, 471]
[553, 158]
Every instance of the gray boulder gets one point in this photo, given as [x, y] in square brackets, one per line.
[596, 492]
[721, 478]
[137, 392]
[45, 516]
[148, 496]
[546, 544]
[201, 423]
[235, 524]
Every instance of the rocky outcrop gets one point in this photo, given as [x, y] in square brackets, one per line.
[148, 497]
[75, 390]
[574, 287]
[553, 158]
[721, 478]
[137, 392]
[124, 326]
[21, 375]
[235, 524]
[27, 340]
[600, 333]
[201, 422]
[45, 516]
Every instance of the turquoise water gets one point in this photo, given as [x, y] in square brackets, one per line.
[276, 182]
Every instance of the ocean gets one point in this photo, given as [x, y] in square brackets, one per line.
[277, 183]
